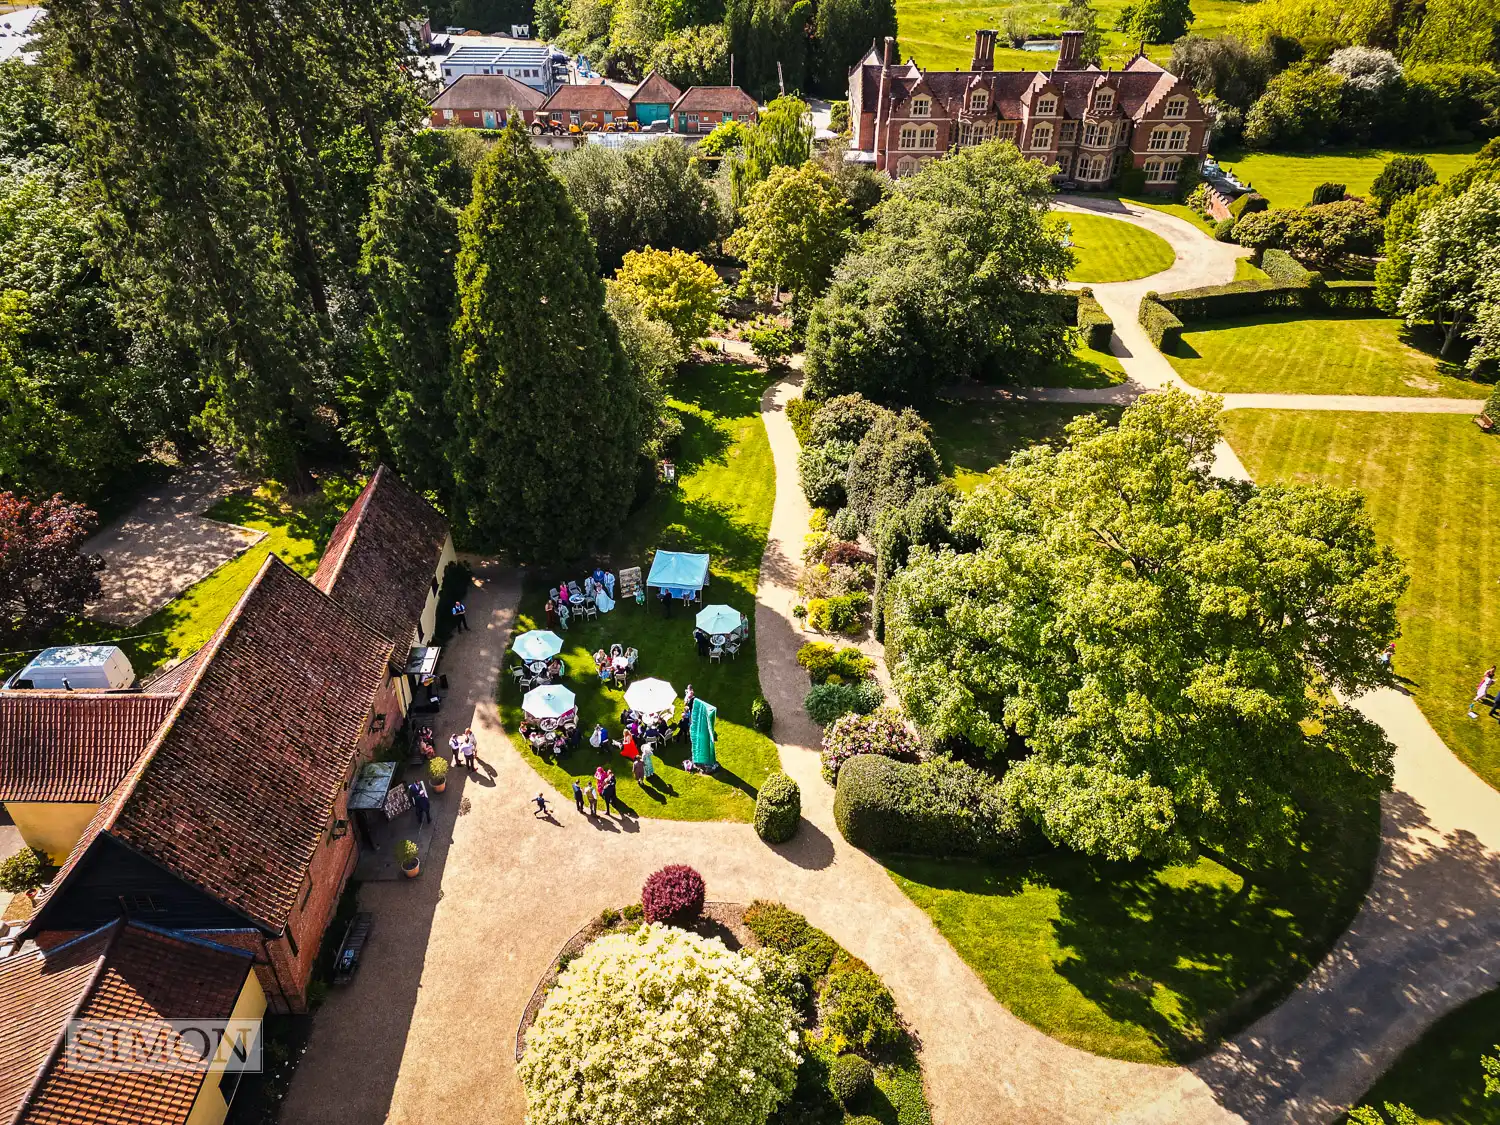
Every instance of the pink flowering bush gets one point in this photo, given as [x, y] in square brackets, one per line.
[674, 894]
[881, 732]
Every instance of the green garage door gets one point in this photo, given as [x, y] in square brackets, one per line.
[646, 112]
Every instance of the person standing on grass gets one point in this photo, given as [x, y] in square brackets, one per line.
[551, 614]
[593, 798]
[460, 617]
[1388, 654]
[578, 794]
[1482, 691]
[638, 770]
[648, 763]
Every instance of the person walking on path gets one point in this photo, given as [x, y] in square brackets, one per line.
[593, 797]
[578, 794]
[540, 801]
[1482, 691]
[460, 617]
[420, 803]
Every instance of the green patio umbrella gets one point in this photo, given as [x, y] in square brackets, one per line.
[704, 735]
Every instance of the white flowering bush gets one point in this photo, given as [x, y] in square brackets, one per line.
[659, 1026]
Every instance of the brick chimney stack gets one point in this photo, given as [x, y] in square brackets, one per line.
[882, 96]
[1070, 52]
[984, 50]
[890, 45]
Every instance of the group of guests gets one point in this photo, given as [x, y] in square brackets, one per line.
[613, 665]
[601, 789]
[564, 737]
[464, 747]
[568, 598]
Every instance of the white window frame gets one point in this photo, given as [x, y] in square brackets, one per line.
[1047, 106]
[979, 100]
[921, 106]
[907, 165]
[906, 140]
[1177, 140]
[574, 117]
[1157, 142]
[927, 137]
[1041, 135]
[1007, 130]
[447, 115]
[1097, 135]
[1176, 107]
[1162, 171]
[1104, 101]
[1064, 163]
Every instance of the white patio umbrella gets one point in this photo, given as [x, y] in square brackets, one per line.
[550, 701]
[650, 697]
[538, 644]
[718, 619]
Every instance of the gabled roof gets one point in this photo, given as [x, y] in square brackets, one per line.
[586, 98]
[120, 972]
[655, 90]
[488, 91]
[235, 794]
[382, 557]
[73, 746]
[715, 99]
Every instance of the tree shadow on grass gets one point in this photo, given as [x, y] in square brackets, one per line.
[729, 390]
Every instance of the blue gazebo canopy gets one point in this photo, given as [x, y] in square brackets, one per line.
[678, 572]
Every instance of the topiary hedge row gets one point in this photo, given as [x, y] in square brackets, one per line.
[1280, 266]
[1095, 322]
[1160, 323]
[940, 807]
[1248, 204]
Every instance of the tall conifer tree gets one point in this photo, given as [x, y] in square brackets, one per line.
[547, 417]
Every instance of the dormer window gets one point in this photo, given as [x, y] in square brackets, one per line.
[1046, 107]
[1176, 107]
[921, 107]
[979, 100]
[1104, 101]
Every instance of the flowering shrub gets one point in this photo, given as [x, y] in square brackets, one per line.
[882, 732]
[659, 1025]
[822, 660]
[673, 894]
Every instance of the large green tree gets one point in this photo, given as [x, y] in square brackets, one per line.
[794, 231]
[1167, 643]
[410, 243]
[548, 417]
[768, 39]
[954, 279]
[1454, 250]
[232, 144]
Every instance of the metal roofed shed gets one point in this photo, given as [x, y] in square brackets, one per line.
[371, 785]
[678, 572]
[76, 668]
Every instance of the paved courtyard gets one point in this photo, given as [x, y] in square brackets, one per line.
[164, 543]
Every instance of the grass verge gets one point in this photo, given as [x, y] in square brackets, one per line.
[1108, 249]
[1287, 179]
[1149, 963]
[726, 486]
[975, 437]
[1439, 1075]
[1424, 477]
[1297, 354]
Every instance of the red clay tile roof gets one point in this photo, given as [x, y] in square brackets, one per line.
[383, 556]
[175, 678]
[73, 745]
[488, 91]
[236, 793]
[587, 98]
[120, 972]
[655, 90]
[714, 99]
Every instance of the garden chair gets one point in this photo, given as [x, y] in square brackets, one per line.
[732, 648]
[716, 654]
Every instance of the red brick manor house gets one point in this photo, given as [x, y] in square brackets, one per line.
[1087, 121]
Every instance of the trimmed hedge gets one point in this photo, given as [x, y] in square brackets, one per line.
[1095, 322]
[1280, 266]
[800, 412]
[761, 716]
[778, 809]
[1350, 296]
[940, 807]
[1248, 204]
[1161, 325]
[1064, 304]
[851, 1079]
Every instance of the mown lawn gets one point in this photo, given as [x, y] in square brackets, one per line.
[1287, 179]
[1298, 354]
[296, 530]
[974, 437]
[934, 31]
[1106, 249]
[1246, 270]
[1149, 963]
[722, 505]
[1084, 368]
[1426, 478]
[1439, 1075]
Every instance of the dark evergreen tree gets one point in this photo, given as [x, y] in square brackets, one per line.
[548, 419]
[233, 144]
[763, 33]
[845, 29]
[396, 406]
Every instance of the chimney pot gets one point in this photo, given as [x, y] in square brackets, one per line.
[984, 50]
[890, 45]
[1070, 51]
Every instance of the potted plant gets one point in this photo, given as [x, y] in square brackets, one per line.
[406, 855]
[437, 773]
[800, 613]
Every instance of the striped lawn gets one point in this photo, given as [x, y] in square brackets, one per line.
[1429, 480]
